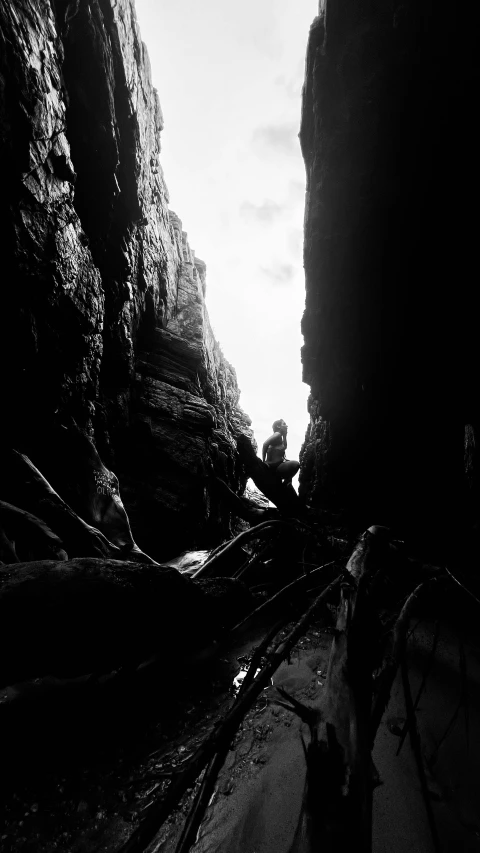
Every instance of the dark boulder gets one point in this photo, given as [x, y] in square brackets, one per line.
[94, 616]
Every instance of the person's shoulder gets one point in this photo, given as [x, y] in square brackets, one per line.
[272, 437]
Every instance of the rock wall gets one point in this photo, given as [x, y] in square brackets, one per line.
[103, 302]
[391, 341]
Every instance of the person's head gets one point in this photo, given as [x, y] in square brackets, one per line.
[279, 426]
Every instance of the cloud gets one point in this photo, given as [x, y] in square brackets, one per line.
[266, 212]
[295, 242]
[269, 211]
[296, 191]
[291, 87]
[282, 138]
[280, 274]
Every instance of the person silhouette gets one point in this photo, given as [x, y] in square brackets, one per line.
[273, 453]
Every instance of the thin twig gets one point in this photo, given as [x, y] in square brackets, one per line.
[426, 673]
[417, 751]
[461, 585]
[202, 799]
[261, 587]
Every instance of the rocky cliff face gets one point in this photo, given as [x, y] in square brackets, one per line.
[391, 342]
[103, 302]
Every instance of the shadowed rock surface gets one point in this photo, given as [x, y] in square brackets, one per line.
[103, 301]
[391, 342]
[24, 536]
[28, 489]
[86, 615]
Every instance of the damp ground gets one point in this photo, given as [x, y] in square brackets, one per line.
[83, 763]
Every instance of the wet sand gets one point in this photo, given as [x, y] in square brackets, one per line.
[258, 797]
[400, 824]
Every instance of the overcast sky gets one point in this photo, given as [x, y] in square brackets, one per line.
[229, 77]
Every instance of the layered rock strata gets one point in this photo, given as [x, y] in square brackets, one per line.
[103, 302]
[391, 343]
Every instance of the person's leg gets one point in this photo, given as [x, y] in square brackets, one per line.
[287, 471]
[273, 467]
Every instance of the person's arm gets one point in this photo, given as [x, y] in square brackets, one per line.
[267, 443]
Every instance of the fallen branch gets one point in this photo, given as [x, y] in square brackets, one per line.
[202, 799]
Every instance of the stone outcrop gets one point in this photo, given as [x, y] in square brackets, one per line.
[87, 615]
[186, 414]
[103, 302]
[391, 342]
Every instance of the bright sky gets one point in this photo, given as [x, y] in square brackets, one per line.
[229, 76]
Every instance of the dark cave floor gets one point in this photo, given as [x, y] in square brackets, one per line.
[82, 762]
